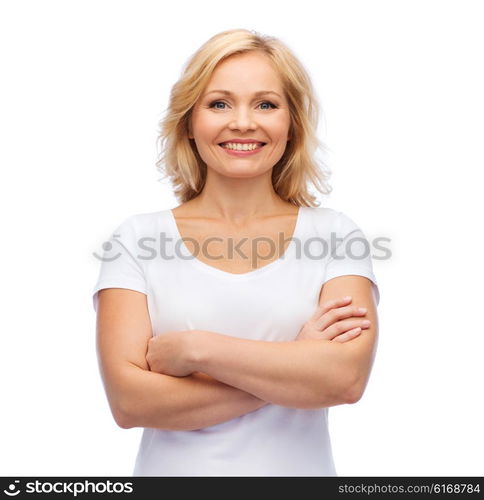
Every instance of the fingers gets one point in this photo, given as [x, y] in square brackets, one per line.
[342, 327]
[330, 304]
[338, 314]
[344, 337]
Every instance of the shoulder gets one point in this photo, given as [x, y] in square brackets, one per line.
[324, 219]
[133, 228]
[141, 221]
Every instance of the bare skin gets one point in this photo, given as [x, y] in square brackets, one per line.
[260, 241]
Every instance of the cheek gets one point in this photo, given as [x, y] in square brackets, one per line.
[278, 127]
[205, 124]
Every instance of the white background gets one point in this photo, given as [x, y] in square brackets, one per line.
[400, 83]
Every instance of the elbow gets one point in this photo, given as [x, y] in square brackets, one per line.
[123, 421]
[123, 416]
[355, 390]
[353, 395]
[340, 394]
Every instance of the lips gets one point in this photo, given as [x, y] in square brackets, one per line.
[241, 153]
[237, 142]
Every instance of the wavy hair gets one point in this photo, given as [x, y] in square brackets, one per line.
[298, 168]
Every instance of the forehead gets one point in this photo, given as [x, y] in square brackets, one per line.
[244, 72]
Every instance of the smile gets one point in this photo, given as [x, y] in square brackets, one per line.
[238, 149]
[242, 146]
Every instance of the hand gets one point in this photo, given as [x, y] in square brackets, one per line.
[169, 353]
[328, 322]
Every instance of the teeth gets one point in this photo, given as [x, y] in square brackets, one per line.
[241, 147]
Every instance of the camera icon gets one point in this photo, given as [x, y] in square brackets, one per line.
[12, 491]
[107, 246]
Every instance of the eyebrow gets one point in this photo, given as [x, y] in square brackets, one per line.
[256, 94]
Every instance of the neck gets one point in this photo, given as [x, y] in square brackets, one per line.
[238, 200]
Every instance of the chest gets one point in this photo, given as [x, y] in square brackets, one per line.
[269, 306]
[237, 250]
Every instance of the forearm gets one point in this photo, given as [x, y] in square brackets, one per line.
[297, 374]
[181, 403]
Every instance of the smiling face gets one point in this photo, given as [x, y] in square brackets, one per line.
[242, 112]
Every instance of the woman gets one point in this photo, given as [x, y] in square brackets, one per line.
[227, 351]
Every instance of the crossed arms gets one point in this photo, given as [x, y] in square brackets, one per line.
[225, 377]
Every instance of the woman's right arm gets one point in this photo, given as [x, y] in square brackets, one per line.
[141, 398]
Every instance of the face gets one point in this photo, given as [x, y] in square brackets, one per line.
[240, 114]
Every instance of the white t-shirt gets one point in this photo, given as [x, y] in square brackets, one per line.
[270, 303]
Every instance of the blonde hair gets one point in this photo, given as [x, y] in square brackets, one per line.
[179, 159]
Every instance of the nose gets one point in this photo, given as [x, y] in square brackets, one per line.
[242, 120]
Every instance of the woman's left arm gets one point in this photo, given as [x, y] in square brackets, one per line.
[304, 374]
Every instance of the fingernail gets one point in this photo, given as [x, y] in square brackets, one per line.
[365, 322]
[348, 297]
[362, 309]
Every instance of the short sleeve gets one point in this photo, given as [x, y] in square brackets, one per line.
[119, 265]
[350, 253]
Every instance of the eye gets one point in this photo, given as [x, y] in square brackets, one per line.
[214, 105]
[273, 106]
